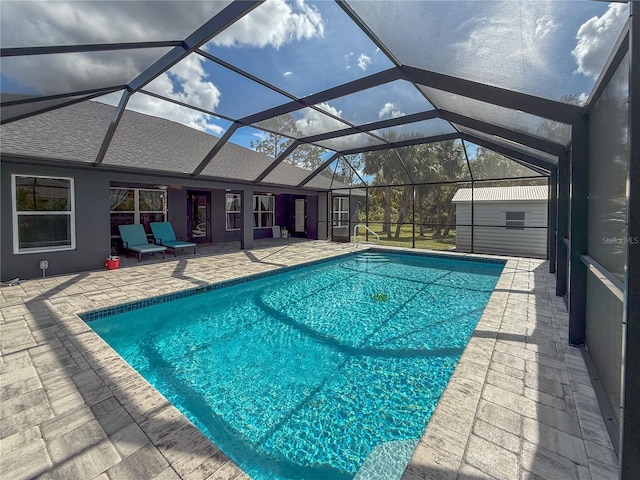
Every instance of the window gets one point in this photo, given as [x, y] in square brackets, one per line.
[340, 211]
[514, 220]
[263, 211]
[234, 205]
[43, 214]
[136, 205]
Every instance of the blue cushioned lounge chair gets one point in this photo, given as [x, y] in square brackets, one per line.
[164, 235]
[134, 239]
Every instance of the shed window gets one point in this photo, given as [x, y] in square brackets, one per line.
[514, 220]
[43, 214]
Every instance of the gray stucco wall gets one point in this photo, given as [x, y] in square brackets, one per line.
[93, 236]
[92, 225]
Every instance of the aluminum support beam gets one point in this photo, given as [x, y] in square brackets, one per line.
[577, 290]
[222, 141]
[552, 219]
[562, 225]
[538, 162]
[391, 122]
[277, 161]
[93, 47]
[371, 81]
[407, 143]
[49, 103]
[541, 107]
[229, 15]
[541, 144]
[246, 230]
[113, 126]
[318, 170]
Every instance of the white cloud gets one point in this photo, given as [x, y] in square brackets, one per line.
[544, 26]
[390, 110]
[186, 82]
[31, 23]
[582, 98]
[287, 74]
[363, 61]
[347, 59]
[596, 37]
[315, 122]
[506, 43]
[273, 23]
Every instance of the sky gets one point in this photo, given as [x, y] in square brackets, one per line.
[546, 48]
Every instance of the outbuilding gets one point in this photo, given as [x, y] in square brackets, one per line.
[506, 220]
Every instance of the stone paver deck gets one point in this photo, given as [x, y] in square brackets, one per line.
[519, 405]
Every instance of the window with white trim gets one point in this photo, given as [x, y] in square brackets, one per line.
[264, 211]
[340, 211]
[234, 211]
[136, 205]
[514, 220]
[43, 214]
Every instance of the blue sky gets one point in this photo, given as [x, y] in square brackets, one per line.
[547, 48]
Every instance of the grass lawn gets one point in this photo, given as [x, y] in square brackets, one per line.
[405, 238]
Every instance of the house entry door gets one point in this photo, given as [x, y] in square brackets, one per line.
[199, 216]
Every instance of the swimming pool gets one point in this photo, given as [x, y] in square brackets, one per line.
[329, 371]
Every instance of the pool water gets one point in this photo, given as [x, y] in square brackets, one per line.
[325, 372]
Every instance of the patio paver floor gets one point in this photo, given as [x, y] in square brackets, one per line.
[519, 405]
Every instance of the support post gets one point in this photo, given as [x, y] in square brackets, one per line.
[323, 221]
[578, 232]
[562, 225]
[413, 216]
[246, 232]
[552, 214]
[630, 417]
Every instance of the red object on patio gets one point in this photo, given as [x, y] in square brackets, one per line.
[112, 263]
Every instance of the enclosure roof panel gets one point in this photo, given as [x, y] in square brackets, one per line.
[341, 75]
[553, 50]
[503, 194]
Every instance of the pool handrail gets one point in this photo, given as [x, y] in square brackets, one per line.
[355, 235]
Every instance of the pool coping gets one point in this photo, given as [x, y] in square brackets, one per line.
[92, 315]
[173, 448]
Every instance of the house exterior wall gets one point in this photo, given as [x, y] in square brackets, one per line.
[497, 239]
[91, 190]
[92, 215]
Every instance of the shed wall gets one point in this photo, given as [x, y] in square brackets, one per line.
[491, 236]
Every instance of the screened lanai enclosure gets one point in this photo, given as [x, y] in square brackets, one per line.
[367, 112]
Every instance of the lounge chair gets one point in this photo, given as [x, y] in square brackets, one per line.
[134, 239]
[164, 235]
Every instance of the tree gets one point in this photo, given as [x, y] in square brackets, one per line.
[383, 165]
[274, 143]
[491, 165]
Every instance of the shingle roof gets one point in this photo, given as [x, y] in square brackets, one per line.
[502, 194]
[76, 132]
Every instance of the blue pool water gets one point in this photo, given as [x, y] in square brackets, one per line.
[325, 372]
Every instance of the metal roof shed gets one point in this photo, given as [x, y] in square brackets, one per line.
[506, 220]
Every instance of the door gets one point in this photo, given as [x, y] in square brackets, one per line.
[199, 217]
[300, 216]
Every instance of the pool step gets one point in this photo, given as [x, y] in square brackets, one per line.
[372, 258]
